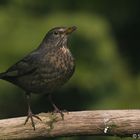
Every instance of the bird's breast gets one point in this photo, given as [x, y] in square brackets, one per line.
[58, 66]
[54, 69]
[61, 60]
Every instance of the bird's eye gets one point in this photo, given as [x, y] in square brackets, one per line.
[56, 33]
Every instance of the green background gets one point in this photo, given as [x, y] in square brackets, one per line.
[106, 47]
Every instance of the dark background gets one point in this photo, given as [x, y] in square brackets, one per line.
[106, 47]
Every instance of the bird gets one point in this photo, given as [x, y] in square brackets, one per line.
[45, 69]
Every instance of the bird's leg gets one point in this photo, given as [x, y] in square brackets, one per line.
[30, 114]
[56, 109]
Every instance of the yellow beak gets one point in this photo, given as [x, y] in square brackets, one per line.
[70, 29]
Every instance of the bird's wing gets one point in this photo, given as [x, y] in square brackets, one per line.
[25, 66]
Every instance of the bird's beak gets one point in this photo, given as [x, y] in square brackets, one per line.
[69, 30]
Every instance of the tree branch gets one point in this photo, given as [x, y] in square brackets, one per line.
[121, 123]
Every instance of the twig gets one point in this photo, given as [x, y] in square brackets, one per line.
[121, 123]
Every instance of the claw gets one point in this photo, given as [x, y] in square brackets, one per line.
[56, 110]
[30, 116]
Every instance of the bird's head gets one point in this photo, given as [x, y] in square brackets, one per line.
[58, 36]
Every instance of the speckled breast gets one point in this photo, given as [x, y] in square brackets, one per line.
[55, 68]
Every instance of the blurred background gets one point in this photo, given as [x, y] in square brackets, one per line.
[106, 47]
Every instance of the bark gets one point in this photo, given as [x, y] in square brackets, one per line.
[121, 123]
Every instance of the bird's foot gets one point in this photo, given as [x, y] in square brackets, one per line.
[61, 112]
[30, 116]
[56, 109]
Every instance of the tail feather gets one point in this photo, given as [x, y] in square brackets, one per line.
[2, 75]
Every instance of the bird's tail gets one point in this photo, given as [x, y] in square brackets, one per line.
[2, 75]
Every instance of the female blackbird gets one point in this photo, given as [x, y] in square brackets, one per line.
[45, 69]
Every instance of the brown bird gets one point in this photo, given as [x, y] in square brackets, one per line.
[45, 69]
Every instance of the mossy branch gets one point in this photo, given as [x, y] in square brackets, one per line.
[123, 123]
